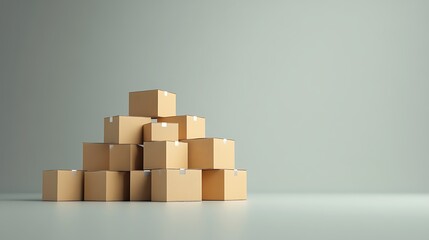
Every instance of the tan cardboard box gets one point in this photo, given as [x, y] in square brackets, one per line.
[140, 185]
[224, 184]
[124, 129]
[125, 157]
[107, 186]
[160, 131]
[95, 156]
[176, 185]
[190, 127]
[211, 153]
[116, 157]
[152, 103]
[62, 185]
[165, 154]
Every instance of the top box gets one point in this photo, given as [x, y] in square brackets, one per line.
[152, 103]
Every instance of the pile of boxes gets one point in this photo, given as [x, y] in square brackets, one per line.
[151, 155]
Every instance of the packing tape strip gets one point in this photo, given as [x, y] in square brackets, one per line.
[74, 171]
[110, 119]
[140, 145]
[182, 171]
[110, 146]
[163, 124]
[176, 143]
[165, 93]
[146, 172]
[224, 141]
[194, 118]
[235, 172]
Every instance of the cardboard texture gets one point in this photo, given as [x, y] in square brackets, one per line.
[125, 157]
[176, 185]
[152, 103]
[95, 156]
[116, 157]
[211, 153]
[165, 154]
[140, 185]
[107, 186]
[190, 127]
[124, 129]
[62, 185]
[224, 184]
[160, 131]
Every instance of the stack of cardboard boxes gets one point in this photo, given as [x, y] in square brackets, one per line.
[151, 155]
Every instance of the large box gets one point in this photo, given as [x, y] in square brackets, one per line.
[160, 131]
[224, 184]
[62, 185]
[165, 154]
[190, 127]
[176, 185]
[211, 153]
[140, 185]
[152, 103]
[107, 186]
[116, 157]
[124, 129]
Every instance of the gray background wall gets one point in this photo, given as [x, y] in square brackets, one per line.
[321, 96]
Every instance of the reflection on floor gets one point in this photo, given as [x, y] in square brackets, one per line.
[263, 216]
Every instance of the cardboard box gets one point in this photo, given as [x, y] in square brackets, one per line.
[125, 157]
[190, 127]
[116, 157]
[211, 153]
[165, 154]
[140, 182]
[124, 129]
[152, 103]
[107, 186]
[62, 185]
[225, 184]
[160, 131]
[176, 185]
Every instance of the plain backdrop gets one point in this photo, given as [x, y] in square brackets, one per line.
[320, 96]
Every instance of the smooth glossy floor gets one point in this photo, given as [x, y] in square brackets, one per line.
[263, 216]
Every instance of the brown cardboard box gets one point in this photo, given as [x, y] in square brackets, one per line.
[125, 157]
[124, 129]
[116, 157]
[211, 153]
[160, 131]
[176, 185]
[165, 154]
[190, 127]
[225, 184]
[62, 185]
[107, 186]
[152, 103]
[140, 185]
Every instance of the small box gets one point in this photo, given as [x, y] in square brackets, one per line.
[124, 129]
[116, 157]
[190, 127]
[224, 184]
[211, 153]
[107, 186]
[165, 154]
[160, 131]
[125, 157]
[62, 185]
[176, 185]
[152, 103]
[140, 185]
[95, 156]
